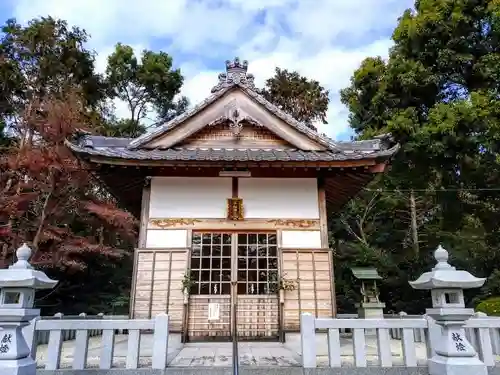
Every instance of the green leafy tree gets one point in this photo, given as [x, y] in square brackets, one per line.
[437, 95]
[145, 85]
[304, 99]
[44, 58]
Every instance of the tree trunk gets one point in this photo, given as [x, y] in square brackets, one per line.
[43, 216]
[414, 228]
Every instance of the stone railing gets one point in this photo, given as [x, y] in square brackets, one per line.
[481, 331]
[364, 332]
[393, 332]
[457, 341]
[82, 327]
[471, 330]
[42, 337]
[309, 324]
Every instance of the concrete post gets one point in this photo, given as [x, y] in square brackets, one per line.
[308, 340]
[18, 284]
[453, 354]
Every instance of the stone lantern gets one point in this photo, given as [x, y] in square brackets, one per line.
[18, 284]
[370, 306]
[453, 353]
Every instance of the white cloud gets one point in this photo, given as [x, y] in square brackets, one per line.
[322, 39]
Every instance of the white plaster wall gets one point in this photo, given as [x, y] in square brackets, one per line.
[189, 197]
[279, 198]
[301, 239]
[164, 238]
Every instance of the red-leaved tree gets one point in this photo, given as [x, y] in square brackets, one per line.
[49, 199]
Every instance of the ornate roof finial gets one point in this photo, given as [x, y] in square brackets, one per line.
[441, 255]
[236, 66]
[236, 74]
[22, 274]
[23, 255]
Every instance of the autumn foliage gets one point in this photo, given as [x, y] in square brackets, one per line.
[51, 199]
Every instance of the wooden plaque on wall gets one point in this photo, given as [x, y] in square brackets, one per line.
[235, 209]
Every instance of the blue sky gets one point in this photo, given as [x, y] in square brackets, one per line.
[322, 39]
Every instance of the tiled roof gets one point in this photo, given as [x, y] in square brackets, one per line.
[235, 76]
[320, 138]
[117, 148]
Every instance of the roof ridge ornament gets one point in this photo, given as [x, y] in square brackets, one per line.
[236, 74]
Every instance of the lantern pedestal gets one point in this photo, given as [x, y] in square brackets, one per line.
[371, 310]
[15, 356]
[453, 352]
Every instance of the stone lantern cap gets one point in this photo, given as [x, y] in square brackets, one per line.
[445, 276]
[22, 275]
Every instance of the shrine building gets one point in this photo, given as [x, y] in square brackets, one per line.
[233, 198]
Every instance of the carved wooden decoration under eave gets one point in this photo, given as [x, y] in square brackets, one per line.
[235, 209]
[225, 224]
[294, 223]
[168, 223]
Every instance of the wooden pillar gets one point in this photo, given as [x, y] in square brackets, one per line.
[323, 217]
[146, 196]
[143, 226]
[323, 223]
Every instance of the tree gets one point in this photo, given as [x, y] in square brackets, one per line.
[48, 198]
[145, 85]
[304, 99]
[437, 95]
[66, 216]
[44, 58]
[53, 202]
[440, 95]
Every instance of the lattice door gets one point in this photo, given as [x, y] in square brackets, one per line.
[257, 277]
[211, 265]
[250, 260]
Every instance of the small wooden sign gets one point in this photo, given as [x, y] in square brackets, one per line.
[213, 311]
[235, 209]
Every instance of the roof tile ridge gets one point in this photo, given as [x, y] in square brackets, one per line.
[139, 141]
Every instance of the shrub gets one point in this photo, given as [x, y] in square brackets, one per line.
[490, 306]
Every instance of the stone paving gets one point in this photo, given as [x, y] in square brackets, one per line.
[220, 354]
